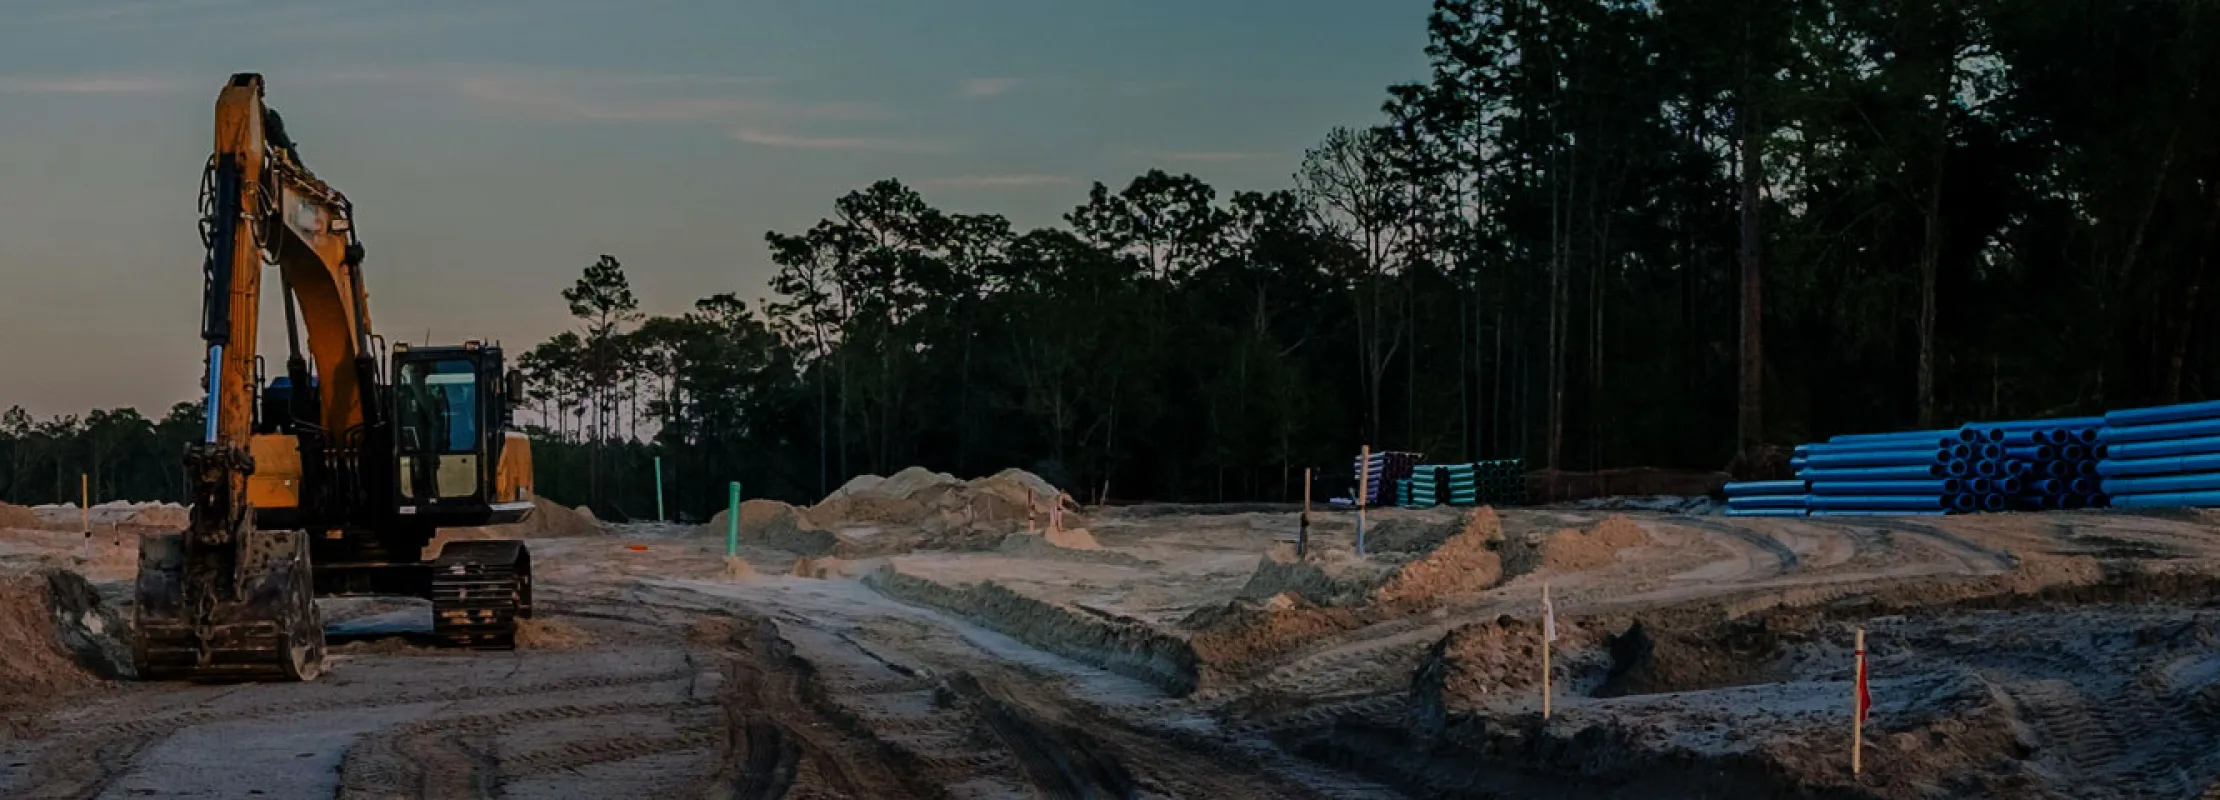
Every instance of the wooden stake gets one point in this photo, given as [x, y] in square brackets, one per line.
[1546, 611]
[84, 510]
[1857, 719]
[1302, 528]
[1364, 489]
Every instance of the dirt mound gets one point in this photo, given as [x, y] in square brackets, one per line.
[773, 524]
[1073, 539]
[549, 520]
[1328, 578]
[942, 505]
[57, 638]
[1415, 532]
[1657, 660]
[1462, 566]
[1245, 637]
[1475, 662]
[19, 517]
[1573, 550]
[550, 634]
[819, 568]
[166, 517]
[738, 569]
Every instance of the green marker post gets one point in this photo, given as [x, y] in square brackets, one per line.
[732, 523]
[659, 517]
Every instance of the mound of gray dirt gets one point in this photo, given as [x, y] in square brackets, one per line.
[57, 638]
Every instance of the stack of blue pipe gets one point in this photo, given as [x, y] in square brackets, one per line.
[2054, 460]
[1916, 472]
[1767, 498]
[2162, 457]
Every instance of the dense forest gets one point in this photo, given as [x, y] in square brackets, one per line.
[1599, 233]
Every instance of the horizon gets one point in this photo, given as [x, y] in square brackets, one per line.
[496, 150]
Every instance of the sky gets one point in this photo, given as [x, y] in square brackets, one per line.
[492, 150]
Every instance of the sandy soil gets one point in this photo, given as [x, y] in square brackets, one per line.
[1180, 652]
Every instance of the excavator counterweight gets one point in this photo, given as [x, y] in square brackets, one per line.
[333, 478]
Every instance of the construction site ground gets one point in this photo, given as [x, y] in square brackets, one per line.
[1185, 651]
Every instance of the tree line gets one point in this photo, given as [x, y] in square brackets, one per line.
[1597, 233]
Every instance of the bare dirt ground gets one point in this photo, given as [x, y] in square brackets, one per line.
[941, 650]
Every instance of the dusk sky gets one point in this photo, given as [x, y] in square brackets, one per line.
[494, 149]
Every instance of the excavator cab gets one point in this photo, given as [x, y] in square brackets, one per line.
[451, 415]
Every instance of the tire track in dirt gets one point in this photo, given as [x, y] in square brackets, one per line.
[393, 761]
[777, 739]
[1785, 557]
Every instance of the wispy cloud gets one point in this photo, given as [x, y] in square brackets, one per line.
[88, 84]
[1212, 156]
[642, 97]
[982, 88]
[765, 138]
[1006, 180]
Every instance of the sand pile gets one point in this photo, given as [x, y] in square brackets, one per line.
[19, 517]
[550, 634]
[1572, 550]
[738, 569]
[771, 523]
[1463, 565]
[1329, 578]
[1073, 539]
[56, 637]
[1245, 637]
[819, 568]
[917, 507]
[549, 520]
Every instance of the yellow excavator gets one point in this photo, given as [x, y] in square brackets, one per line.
[333, 478]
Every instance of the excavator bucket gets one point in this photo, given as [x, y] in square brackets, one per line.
[262, 626]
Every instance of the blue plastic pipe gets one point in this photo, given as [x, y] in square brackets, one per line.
[2058, 469]
[1878, 458]
[2167, 500]
[1772, 501]
[1749, 488]
[1959, 468]
[2017, 467]
[2034, 424]
[1765, 512]
[2130, 467]
[1992, 502]
[2048, 486]
[2032, 453]
[1963, 502]
[1944, 486]
[2083, 467]
[1903, 473]
[2073, 452]
[1876, 502]
[2160, 431]
[2007, 485]
[2164, 484]
[1816, 448]
[2165, 447]
[2162, 414]
[1977, 485]
[1875, 437]
[1874, 513]
[1796, 463]
[1987, 469]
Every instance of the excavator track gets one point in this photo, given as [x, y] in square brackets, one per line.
[263, 628]
[479, 590]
